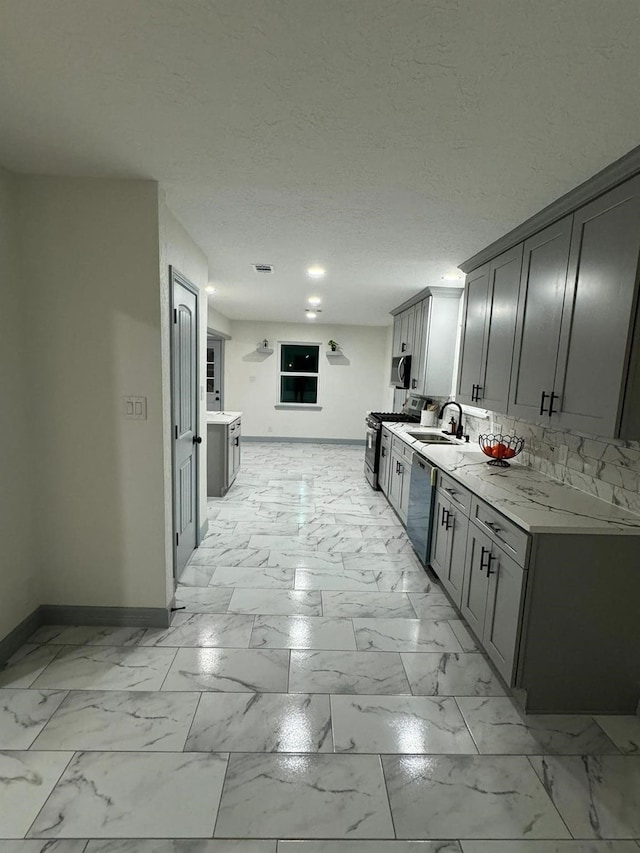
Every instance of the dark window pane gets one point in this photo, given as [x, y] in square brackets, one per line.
[297, 358]
[298, 389]
[210, 354]
[211, 368]
[210, 387]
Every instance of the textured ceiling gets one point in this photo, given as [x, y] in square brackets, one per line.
[387, 139]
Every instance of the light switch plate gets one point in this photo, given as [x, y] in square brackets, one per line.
[135, 408]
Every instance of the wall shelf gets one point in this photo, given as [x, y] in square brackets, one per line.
[265, 350]
[334, 353]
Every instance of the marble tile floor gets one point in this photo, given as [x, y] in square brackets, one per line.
[317, 693]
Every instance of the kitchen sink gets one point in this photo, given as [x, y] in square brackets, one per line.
[430, 438]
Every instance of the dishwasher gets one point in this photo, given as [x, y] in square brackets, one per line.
[419, 514]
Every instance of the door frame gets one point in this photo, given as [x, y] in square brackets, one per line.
[218, 338]
[175, 277]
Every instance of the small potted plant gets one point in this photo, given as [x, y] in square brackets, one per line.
[334, 345]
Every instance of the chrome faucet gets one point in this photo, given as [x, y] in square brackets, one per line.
[441, 413]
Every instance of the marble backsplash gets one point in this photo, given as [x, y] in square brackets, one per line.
[606, 468]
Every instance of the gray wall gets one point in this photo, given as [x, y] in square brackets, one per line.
[18, 568]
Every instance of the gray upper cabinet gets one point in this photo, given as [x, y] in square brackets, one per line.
[502, 305]
[542, 288]
[419, 350]
[440, 332]
[427, 330]
[489, 330]
[598, 318]
[473, 325]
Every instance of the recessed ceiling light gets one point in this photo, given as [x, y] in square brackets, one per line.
[452, 276]
[316, 272]
[311, 315]
[314, 300]
[210, 288]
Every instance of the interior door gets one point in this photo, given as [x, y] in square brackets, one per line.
[184, 356]
[214, 375]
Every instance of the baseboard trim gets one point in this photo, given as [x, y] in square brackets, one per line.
[303, 440]
[10, 644]
[78, 614]
[204, 529]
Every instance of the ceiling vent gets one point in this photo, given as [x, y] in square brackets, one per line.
[263, 268]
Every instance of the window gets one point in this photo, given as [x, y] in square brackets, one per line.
[298, 377]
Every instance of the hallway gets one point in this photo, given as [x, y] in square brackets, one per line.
[317, 685]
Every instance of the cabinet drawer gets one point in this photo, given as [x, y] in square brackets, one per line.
[457, 494]
[403, 449]
[385, 438]
[504, 533]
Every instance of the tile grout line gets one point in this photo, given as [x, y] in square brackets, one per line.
[54, 786]
[547, 794]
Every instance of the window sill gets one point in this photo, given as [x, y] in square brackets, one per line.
[311, 406]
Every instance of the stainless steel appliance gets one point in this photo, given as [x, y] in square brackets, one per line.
[410, 414]
[420, 511]
[401, 371]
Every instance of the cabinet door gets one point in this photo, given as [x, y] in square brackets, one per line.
[598, 316]
[395, 481]
[230, 474]
[236, 455]
[474, 591]
[473, 325]
[404, 333]
[453, 578]
[397, 335]
[383, 470]
[420, 341]
[439, 559]
[542, 287]
[502, 621]
[405, 483]
[500, 330]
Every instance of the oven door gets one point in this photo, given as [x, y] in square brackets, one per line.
[371, 448]
[372, 455]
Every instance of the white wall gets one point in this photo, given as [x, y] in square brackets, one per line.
[217, 322]
[90, 258]
[179, 250]
[346, 390]
[18, 522]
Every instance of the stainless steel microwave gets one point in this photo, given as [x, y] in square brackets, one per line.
[401, 371]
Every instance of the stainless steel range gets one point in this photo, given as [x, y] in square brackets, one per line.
[410, 414]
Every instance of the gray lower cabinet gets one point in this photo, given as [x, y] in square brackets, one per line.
[449, 545]
[399, 478]
[385, 461]
[223, 456]
[492, 600]
[555, 613]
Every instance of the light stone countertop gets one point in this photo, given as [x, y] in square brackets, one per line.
[222, 417]
[532, 500]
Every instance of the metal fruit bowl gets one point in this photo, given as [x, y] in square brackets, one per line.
[500, 448]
